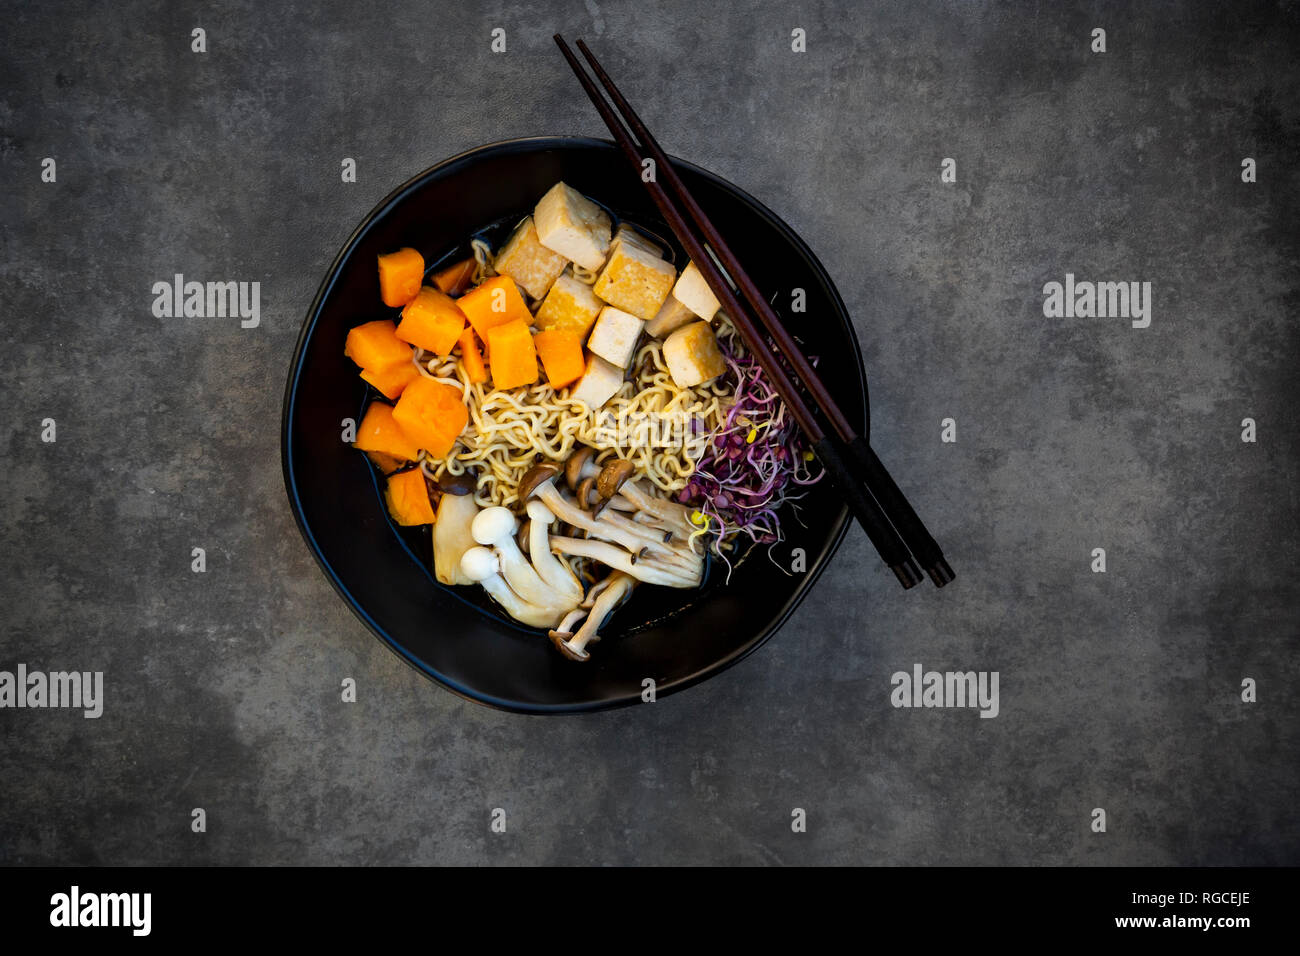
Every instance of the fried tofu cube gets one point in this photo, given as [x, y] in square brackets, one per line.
[693, 292]
[626, 233]
[569, 223]
[635, 281]
[614, 336]
[671, 317]
[692, 355]
[599, 383]
[570, 306]
[524, 259]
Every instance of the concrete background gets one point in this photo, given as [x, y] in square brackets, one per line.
[1118, 690]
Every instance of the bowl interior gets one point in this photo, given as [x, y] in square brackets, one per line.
[455, 635]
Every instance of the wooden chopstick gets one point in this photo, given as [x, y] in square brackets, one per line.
[880, 483]
[863, 505]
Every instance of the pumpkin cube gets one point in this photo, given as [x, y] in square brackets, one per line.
[379, 432]
[432, 415]
[375, 345]
[693, 292]
[561, 353]
[495, 301]
[599, 383]
[432, 321]
[457, 277]
[614, 336]
[400, 276]
[569, 223]
[407, 497]
[570, 305]
[471, 358]
[391, 381]
[387, 464]
[692, 355]
[528, 262]
[635, 281]
[512, 355]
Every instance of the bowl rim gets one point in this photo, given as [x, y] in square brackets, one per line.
[395, 197]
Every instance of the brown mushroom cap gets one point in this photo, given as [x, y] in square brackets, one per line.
[535, 476]
[522, 535]
[458, 485]
[613, 476]
[573, 467]
[586, 492]
[560, 640]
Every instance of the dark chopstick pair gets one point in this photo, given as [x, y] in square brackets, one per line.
[871, 494]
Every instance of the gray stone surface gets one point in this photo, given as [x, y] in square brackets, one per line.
[1118, 690]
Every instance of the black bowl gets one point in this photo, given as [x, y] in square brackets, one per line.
[454, 635]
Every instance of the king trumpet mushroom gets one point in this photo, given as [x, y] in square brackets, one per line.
[452, 536]
[609, 594]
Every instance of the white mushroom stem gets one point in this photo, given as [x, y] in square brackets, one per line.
[552, 570]
[617, 590]
[632, 497]
[640, 528]
[658, 541]
[568, 511]
[647, 570]
[673, 515]
[495, 527]
[573, 617]
[483, 566]
[595, 592]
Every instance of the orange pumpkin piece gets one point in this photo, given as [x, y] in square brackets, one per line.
[432, 415]
[456, 278]
[431, 321]
[407, 497]
[561, 354]
[375, 345]
[391, 381]
[379, 432]
[385, 463]
[400, 275]
[495, 302]
[472, 359]
[514, 359]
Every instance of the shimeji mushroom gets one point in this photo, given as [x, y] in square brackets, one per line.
[482, 566]
[610, 593]
[546, 585]
[599, 493]
[495, 528]
[551, 569]
[540, 481]
[620, 484]
[640, 566]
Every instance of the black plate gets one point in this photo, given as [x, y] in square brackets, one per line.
[453, 635]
